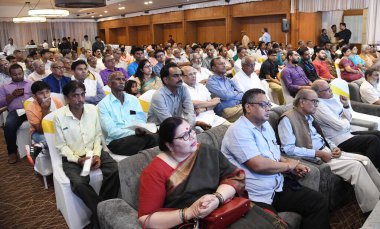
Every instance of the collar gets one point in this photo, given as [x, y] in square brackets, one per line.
[166, 90]
[114, 99]
[251, 125]
[68, 113]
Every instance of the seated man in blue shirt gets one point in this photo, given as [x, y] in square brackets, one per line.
[138, 54]
[119, 110]
[250, 143]
[229, 93]
[56, 80]
[160, 57]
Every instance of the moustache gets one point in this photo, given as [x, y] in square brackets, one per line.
[180, 82]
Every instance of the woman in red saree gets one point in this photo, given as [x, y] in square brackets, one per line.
[188, 181]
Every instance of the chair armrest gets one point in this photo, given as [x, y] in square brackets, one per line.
[364, 123]
[365, 108]
[117, 214]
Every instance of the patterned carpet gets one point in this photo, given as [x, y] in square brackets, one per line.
[24, 203]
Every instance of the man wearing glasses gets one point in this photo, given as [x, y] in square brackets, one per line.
[302, 136]
[109, 62]
[56, 80]
[250, 143]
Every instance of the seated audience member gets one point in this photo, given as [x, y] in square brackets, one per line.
[67, 67]
[182, 163]
[224, 88]
[210, 49]
[349, 72]
[366, 56]
[310, 47]
[261, 51]
[201, 98]
[39, 71]
[94, 91]
[131, 88]
[250, 143]
[228, 61]
[151, 57]
[71, 122]
[269, 71]
[145, 78]
[293, 76]
[45, 58]
[109, 62]
[301, 136]
[306, 64]
[12, 96]
[92, 72]
[171, 100]
[5, 78]
[118, 111]
[160, 57]
[241, 52]
[180, 60]
[321, 66]
[99, 60]
[28, 66]
[56, 80]
[246, 78]
[202, 73]
[118, 62]
[356, 59]
[369, 91]
[42, 105]
[138, 54]
[334, 118]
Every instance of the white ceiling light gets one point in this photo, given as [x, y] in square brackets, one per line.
[121, 8]
[49, 13]
[148, 3]
[29, 19]
[105, 11]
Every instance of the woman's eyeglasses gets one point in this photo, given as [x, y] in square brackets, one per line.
[186, 135]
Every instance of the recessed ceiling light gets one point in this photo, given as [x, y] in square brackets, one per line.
[150, 2]
[93, 16]
[147, 3]
[101, 15]
[121, 8]
[105, 11]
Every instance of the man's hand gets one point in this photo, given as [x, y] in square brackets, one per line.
[95, 162]
[336, 153]
[81, 160]
[18, 92]
[301, 170]
[344, 100]
[45, 105]
[215, 100]
[326, 157]
[140, 131]
[203, 125]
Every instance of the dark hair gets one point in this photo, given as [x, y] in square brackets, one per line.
[260, 43]
[136, 49]
[289, 54]
[240, 49]
[212, 62]
[86, 35]
[352, 46]
[43, 51]
[318, 49]
[157, 52]
[75, 64]
[345, 49]
[15, 66]
[39, 86]
[369, 72]
[249, 96]
[166, 133]
[10, 57]
[265, 29]
[342, 23]
[165, 70]
[271, 51]
[128, 87]
[302, 51]
[168, 60]
[97, 37]
[333, 26]
[323, 30]
[65, 52]
[72, 86]
[275, 45]
[139, 71]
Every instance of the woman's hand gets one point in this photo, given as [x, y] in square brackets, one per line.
[202, 207]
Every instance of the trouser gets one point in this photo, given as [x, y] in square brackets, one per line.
[12, 124]
[310, 204]
[232, 113]
[132, 144]
[366, 143]
[80, 185]
[39, 138]
[278, 90]
[363, 176]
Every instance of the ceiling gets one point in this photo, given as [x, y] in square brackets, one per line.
[11, 8]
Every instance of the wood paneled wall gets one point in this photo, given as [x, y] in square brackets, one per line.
[220, 24]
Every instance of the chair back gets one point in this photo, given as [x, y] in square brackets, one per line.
[49, 133]
[288, 98]
[145, 100]
[337, 69]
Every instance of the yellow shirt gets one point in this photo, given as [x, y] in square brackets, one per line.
[74, 138]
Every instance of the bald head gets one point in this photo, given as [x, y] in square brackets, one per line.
[189, 75]
[322, 88]
[248, 65]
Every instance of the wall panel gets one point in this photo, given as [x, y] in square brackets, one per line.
[211, 31]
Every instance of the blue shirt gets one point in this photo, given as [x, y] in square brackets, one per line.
[266, 37]
[132, 68]
[157, 68]
[56, 86]
[356, 59]
[243, 141]
[116, 117]
[229, 93]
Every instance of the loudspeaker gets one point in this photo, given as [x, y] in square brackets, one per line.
[285, 26]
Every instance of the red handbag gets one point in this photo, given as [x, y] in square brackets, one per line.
[227, 214]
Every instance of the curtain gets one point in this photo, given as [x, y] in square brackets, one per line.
[329, 5]
[22, 33]
[373, 22]
[330, 18]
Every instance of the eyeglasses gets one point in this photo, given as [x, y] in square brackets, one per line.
[186, 135]
[147, 66]
[58, 67]
[314, 101]
[327, 89]
[263, 105]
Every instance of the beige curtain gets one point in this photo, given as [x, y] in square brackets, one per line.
[329, 5]
[373, 22]
[22, 33]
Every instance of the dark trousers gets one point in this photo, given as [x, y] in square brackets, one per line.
[81, 187]
[310, 204]
[366, 143]
[12, 124]
[132, 144]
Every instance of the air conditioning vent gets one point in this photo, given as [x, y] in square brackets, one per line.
[80, 3]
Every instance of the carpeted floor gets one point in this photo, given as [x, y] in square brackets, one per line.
[24, 203]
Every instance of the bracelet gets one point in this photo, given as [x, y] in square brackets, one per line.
[346, 107]
[182, 215]
[220, 198]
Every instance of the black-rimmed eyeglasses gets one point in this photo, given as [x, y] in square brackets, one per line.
[263, 105]
[186, 135]
[314, 101]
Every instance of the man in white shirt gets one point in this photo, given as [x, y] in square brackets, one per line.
[246, 78]
[245, 39]
[118, 63]
[45, 58]
[9, 48]
[202, 73]
[369, 88]
[45, 45]
[86, 43]
[91, 61]
[241, 52]
[39, 71]
[180, 60]
[201, 98]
